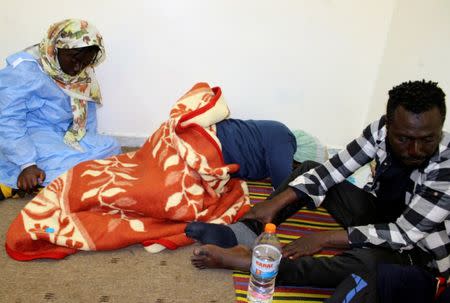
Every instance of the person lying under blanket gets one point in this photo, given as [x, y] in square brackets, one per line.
[266, 149]
[262, 148]
[146, 196]
[48, 100]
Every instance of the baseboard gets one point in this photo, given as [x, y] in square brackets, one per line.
[130, 141]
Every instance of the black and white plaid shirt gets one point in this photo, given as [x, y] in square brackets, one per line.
[426, 220]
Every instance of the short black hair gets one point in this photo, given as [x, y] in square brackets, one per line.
[416, 97]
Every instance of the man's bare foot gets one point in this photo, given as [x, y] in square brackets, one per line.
[212, 256]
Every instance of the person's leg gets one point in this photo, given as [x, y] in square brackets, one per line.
[212, 256]
[390, 283]
[331, 271]
[356, 288]
[245, 231]
[305, 271]
[350, 205]
[397, 283]
[208, 233]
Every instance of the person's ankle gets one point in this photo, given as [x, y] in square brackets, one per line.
[208, 233]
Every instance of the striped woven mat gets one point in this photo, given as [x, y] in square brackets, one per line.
[302, 223]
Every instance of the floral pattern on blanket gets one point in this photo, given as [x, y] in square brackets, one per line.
[146, 196]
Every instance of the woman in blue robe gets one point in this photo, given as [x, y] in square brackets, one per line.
[48, 100]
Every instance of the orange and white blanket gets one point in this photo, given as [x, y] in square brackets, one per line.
[145, 197]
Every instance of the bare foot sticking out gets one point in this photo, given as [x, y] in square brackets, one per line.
[212, 256]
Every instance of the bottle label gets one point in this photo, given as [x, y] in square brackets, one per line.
[266, 267]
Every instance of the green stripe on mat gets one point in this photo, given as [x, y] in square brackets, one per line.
[258, 196]
[311, 223]
[265, 184]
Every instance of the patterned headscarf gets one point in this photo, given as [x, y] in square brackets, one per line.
[73, 33]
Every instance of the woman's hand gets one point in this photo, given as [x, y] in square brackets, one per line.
[30, 178]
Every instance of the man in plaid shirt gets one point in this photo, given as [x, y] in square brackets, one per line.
[401, 217]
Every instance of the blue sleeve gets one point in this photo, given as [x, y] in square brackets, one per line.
[91, 125]
[16, 91]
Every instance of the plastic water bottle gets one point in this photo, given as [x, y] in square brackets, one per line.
[265, 261]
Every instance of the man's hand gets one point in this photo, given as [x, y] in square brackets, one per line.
[265, 211]
[310, 244]
[304, 246]
[30, 178]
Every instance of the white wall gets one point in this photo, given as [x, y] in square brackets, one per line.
[418, 47]
[310, 64]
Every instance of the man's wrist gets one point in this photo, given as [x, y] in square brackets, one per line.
[303, 197]
[336, 239]
[285, 198]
